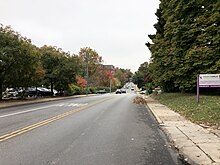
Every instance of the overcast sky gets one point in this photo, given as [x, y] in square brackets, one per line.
[116, 29]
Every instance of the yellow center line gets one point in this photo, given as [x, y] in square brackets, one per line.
[47, 121]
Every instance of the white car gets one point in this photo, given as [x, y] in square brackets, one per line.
[143, 92]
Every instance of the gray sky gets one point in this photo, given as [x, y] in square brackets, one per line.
[116, 29]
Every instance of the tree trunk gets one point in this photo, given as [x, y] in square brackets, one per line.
[51, 86]
[1, 89]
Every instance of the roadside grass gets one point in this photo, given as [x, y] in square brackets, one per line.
[207, 111]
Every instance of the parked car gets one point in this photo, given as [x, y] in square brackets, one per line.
[102, 91]
[10, 93]
[31, 91]
[39, 91]
[118, 91]
[143, 92]
[123, 90]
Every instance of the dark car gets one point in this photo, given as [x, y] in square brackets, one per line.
[39, 91]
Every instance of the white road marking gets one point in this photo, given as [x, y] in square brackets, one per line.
[35, 109]
[21, 112]
[72, 105]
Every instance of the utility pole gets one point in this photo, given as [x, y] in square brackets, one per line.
[87, 73]
[110, 86]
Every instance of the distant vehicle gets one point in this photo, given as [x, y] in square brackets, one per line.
[31, 91]
[118, 91]
[10, 93]
[102, 91]
[39, 91]
[123, 90]
[143, 92]
[157, 90]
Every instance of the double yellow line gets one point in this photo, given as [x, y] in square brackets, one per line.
[44, 122]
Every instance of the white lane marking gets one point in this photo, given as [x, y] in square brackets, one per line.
[35, 109]
[72, 105]
[21, 112]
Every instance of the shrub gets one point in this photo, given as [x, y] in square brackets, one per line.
[74, 90]
[92, 90]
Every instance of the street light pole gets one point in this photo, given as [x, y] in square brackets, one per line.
[87, 73]
[110, 91]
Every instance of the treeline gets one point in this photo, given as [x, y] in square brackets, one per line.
[186, 43]
[23, 65]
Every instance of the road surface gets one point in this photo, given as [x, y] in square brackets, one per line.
[94, 130]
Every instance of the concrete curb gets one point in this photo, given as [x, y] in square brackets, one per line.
[155, 115]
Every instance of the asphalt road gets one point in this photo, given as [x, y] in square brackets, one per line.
[97, 130]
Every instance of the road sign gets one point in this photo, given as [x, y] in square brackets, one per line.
[207, 81]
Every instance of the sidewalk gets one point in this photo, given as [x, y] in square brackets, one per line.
[194, 143]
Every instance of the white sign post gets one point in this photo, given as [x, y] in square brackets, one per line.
[207, 81]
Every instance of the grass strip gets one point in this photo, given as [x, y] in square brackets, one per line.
[207, 111]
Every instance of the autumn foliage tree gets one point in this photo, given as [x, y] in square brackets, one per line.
[91, 61]
[81, 82]
[122, 75]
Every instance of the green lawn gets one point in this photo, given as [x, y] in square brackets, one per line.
[206, 112]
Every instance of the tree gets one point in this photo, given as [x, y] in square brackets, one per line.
[123, 75]
[60, 67]
[18, 62]
[67, 70]
[185, 44]
[22, 64]
[142, 76]
[81, 82]
[91, 60]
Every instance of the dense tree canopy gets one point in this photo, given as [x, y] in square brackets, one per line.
[186, 43]
[18, 60]
[122, 75]
[23, 65]
[91, 61]
[60, 68]
[142, 76]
